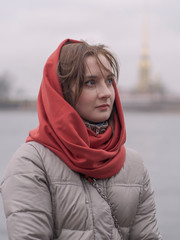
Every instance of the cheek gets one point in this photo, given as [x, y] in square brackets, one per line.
[83, 102]
[87, 96]
[112, 95]
[84, 98]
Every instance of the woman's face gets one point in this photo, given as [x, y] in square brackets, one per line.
[96, 101]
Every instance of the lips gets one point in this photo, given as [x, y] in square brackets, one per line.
[103, 106]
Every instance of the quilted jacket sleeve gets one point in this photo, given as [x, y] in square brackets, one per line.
[145, 223]
[26, 197]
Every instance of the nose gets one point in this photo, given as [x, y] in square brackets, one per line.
[103, 90]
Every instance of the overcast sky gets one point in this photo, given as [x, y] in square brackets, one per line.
[32, 30]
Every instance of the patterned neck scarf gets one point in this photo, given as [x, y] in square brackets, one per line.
[98, 128]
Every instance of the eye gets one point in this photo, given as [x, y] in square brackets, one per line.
[110, 80]
[90, 83]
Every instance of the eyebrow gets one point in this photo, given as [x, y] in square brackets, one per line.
[111, 75]
[91, 76]
[95, 77]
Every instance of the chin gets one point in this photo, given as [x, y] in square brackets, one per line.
[100, 119]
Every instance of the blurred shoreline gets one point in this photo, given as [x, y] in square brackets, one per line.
[130, 102]
[151, 102]
[18, 105]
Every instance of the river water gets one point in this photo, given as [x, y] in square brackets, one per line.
[156, 136]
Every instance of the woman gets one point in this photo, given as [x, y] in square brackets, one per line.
[73, 178]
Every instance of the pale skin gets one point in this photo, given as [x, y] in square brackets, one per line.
[96, 101]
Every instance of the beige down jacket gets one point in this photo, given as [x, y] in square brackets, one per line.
[44, 199]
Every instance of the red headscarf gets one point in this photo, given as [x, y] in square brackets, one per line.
[62, 130]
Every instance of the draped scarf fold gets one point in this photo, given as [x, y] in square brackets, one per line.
[62, 130]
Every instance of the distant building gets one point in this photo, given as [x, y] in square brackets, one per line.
[149, 94]
[145, 83]
[5, 87]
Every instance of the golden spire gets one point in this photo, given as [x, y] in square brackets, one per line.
[144, 65]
